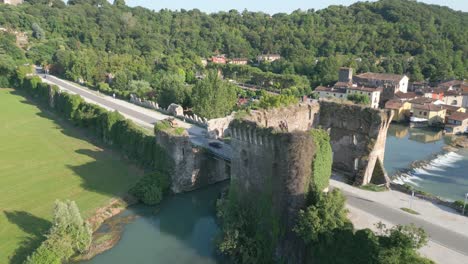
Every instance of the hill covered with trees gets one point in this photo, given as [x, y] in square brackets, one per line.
[88, 39]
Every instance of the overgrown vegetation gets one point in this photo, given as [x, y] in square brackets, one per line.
[151, 188]
[165, 126]
[322, 162]
[249, 229]
[68, 235]
[361, 99]
[268, 101]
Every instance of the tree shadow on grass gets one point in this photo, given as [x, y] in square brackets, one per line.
[34, 226]
[104, 161]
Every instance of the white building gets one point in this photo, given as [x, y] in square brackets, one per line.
[268, 57]
[11, 2]
[344, 92]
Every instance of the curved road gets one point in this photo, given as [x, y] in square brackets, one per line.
[142, 116]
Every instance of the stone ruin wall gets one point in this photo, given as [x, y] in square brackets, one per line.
[300, 117]
[358, 135]
[268, 164]
[193, 167]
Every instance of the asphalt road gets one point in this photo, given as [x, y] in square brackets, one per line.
[197, 134]
[438, 234]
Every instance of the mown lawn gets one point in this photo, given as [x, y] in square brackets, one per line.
[41, 160]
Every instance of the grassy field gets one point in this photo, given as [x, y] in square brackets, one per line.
[41, 160]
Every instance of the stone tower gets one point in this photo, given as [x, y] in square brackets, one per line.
[345, 75]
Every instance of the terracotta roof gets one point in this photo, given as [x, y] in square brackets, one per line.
[323, 89]
[422, 100]
[381, 76]
[330, 89]
[451, 107]
[452, 83]
[451, 93]
[459, 116]
[393, 104]
[429, 107]
[343, 84]
[402, 95]
[365, 89]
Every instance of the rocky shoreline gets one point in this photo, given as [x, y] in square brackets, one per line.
[106, 231]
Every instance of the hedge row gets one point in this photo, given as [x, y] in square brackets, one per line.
[110, 127]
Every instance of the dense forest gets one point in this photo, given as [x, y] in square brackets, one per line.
[88, 39]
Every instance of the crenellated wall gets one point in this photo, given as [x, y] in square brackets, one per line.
[273, 168]
[298, 117]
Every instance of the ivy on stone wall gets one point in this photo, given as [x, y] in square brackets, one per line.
[322, 162]
[250, 231]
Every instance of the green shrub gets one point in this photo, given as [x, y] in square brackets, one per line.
[151, 188]
[359, 99]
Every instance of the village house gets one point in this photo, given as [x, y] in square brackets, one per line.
[434, 93]
[406, 96]
[427, 114]
[451, 109]
[373, 94]
[424, 101]
[457, 123]
[453, 97]
[341, 91]
[239, 61]
[418, 86]
[268, 57]
[401, 110]
[391, 83]
[219, 59]
[453, 85]
[330, 92]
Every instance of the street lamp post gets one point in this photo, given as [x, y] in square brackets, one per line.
[464, 204]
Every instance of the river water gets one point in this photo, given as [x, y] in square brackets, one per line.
[445, 174]
[182, 230]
